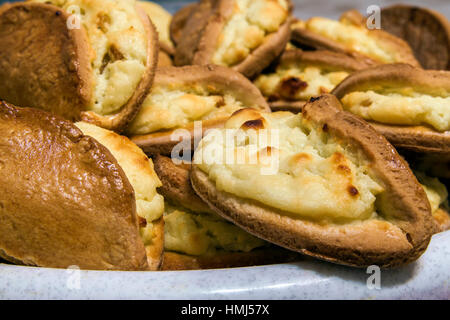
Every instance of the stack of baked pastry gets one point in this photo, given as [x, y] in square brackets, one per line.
[115, 118]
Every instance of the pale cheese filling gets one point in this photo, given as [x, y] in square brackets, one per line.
[315, 82]
[437, 193]
[140, 173]
[314, 176]
[353, 37]
[165, 109]
[199, 234]
[401, 109]
[251, 22]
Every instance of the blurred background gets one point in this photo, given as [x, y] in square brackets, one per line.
[329, 8]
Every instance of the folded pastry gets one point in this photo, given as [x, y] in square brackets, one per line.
[196, 237]
[437, 194]
[182, 95]
[426, 31]
[245, 35]
[300, 75]
[92, 60]
[325, 184]
[346, 36]
[161, 19]
[75, 197]
[179, 21]
[409, 106]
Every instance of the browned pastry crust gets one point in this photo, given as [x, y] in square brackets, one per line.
[323, 59]
[415, 138]
[219, 81]
[442, 219]
[46, 65]
[399, 239]
[176, 187]
[198, 39]
[179, 21]
[64, 198]
[311, 40]
[426, 31]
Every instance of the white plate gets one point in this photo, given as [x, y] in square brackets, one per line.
[428, 278]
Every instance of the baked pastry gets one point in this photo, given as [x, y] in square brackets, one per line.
[347, 36]
[426, 31]
[182, 95]
[161, 19]
[437, 194]
[241, 34]
[97, 66]
[326, 185]
[300, 75]
[196, 237]
[409, 106]
[75, 197]
[164, 60]
[179, 21]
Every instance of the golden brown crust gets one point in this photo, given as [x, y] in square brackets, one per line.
[309, 39]
[283, 105]
[119, 121]
[33, 35]
[401, 238]
[219, 81]
[164, 60]
[415, 138]
[65, 199]
[179, 20]
[442, 219]
[155, 252]
[426, 31]
[219, 260]
[198, 39]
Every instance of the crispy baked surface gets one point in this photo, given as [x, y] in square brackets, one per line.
[426, 31]
[65, 200]
[182, 95]
[348, 36]
[407, 105]
[244, 35]
[402, 210]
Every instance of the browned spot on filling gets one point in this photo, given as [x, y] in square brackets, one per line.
[267, 151]
[352, 190]
[220, 102]
[289, 87]
[103, 21]
[113, 54]
[253, 124]
[300, 158]
[337, 158]
[142, 222]
[344, 169]
[323, 90]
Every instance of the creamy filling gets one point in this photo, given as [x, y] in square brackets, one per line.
[436, 191]
[119, 48]
[139, 171]
[355, 38]
[164, 109]
[201, 233]
[289, 165]
[401, 109]
[251, 22]
[299, 82]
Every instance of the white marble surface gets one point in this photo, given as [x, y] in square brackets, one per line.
[428, 278]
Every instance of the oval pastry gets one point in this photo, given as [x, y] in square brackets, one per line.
[180, 96]
[347, 36]
[336, 189]
[245, 35]
[90, 60]
[426, 31]
[68, 199]
[409, 106]
[196, 237]
[300, 75]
